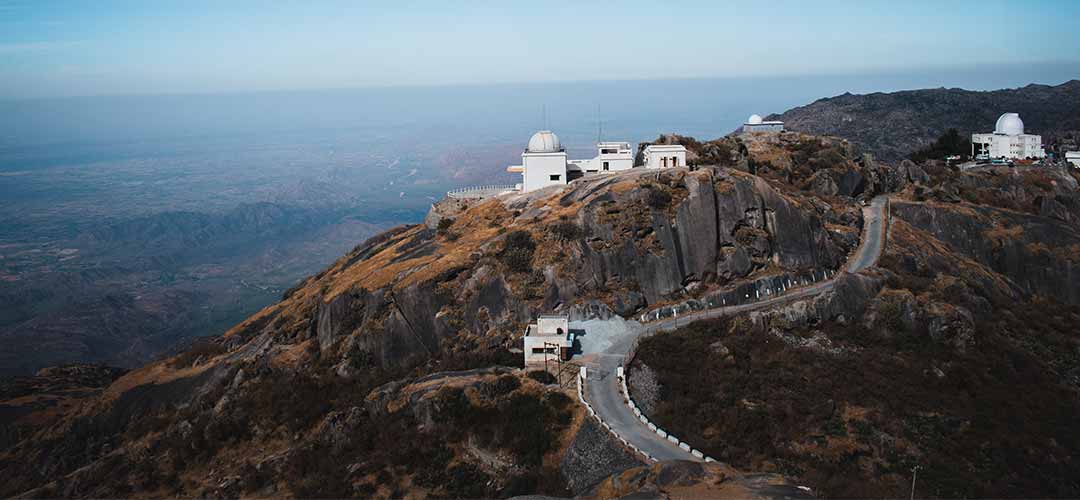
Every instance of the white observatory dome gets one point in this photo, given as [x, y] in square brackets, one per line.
[754, 120]
[1009, 124]
[544, 141]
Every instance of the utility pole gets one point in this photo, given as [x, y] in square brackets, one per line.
[558, 360]
[914, 474]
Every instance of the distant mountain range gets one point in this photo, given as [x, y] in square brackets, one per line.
[893, 125]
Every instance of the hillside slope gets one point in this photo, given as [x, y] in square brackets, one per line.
[893, 125]
[960, 355]
[343, 386]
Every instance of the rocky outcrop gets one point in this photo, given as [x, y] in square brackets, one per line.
[726, 225]
[1038, 254]
[846, 301]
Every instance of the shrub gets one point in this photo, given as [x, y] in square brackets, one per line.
[517, 252]
[506, 384]
[565, 231]
[658, 197]
[444, 225]
[950, 143]
[542, 376]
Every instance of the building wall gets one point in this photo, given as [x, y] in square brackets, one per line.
[551, 325]
[539, 167]
[763, 127]
[1073, 157]
[664, 158]
[1009, 146]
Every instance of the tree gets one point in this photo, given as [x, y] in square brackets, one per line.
[950, 143]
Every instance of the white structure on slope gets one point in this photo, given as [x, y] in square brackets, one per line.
[548, 339]
[544, 163]
[1007, 141]
[755, 124]
[664, 156]
[610, 157]
[1073, 157]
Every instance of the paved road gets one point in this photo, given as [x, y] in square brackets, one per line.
[873, 235]
[602, 388]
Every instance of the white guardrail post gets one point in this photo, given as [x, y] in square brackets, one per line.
[620, 372]
[583, 374]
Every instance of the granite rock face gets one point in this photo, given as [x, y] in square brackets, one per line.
[632, 240]
[1036, 253]
[726, 225]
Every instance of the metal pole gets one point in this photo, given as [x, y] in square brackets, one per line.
[914, 473]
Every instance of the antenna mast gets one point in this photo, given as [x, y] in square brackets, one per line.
[599, 125]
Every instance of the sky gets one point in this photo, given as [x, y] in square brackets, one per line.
[103, 47]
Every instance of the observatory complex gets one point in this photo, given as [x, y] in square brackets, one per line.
[756, 124]
[1008, 141]
[544, 162]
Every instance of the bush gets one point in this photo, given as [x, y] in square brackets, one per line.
[950, 143]
[658, 197]
[444, 225]
[517, 252]
[565, 231]
[542, 376]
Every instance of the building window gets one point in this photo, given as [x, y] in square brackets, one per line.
[605, 165]
[555, 177]
[674, 161]
[663, 161]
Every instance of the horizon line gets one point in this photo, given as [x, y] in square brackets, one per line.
[507, 83]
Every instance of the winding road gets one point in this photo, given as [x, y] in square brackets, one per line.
[603, 389]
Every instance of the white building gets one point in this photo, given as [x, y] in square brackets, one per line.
[1073, 157]
[1007, 141]
[664, 156]
[549, 338]
[610, 157]
[544, 162]
[755, 124]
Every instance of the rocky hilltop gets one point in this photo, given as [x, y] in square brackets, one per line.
[343, 386]
[893, 125]
[391, 373]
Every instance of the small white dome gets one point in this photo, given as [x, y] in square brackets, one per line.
[1009, 124]
[754, 120]
[544, 141]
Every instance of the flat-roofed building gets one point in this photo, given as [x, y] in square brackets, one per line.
[548, 339]
[610, 157]
[1073, 157]
[664, 156]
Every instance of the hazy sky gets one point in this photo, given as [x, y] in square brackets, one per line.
[66, 48]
